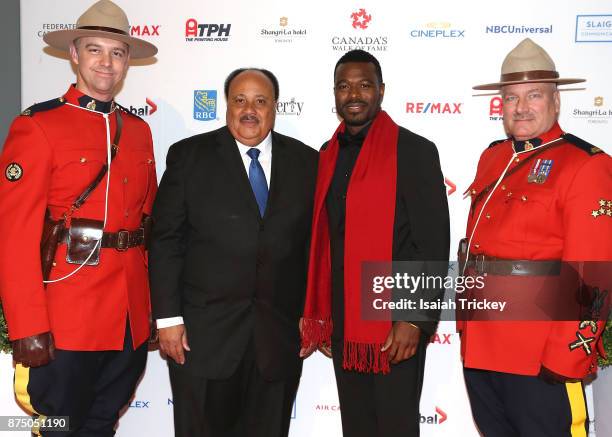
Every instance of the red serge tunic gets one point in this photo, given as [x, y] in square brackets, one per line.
[565, 214]
[53, 151]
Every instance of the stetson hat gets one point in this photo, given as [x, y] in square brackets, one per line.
[527, 62]
[104, 19]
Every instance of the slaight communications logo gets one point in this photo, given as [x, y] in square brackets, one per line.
[149, 108]
[598, 113]
[434, 108]
[593, 28]
[205, 105]
[437, 30]
[283, 32]
[206, 32]
[437, 418]
[289, 107]
[496, 106]
[361, 38]
[52, 27]
[512, 29]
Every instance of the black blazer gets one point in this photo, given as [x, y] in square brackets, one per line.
[231, 274]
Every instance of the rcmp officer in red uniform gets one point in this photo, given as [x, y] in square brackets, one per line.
[541, 199]
[80, 339]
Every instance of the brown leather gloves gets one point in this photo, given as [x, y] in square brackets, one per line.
[34, 351]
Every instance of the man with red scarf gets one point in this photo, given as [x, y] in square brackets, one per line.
[541, 206]
[380, 197]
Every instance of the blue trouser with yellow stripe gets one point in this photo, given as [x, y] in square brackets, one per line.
[89, 387]
[508, 405]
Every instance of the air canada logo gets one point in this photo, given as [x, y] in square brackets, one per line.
[327, 408]
[436, 419]
[205, 105]
[496, 106]
[361, 19]
[200, 32]
[450, 108]
[148, 109]
[144, 29]
[361, 38]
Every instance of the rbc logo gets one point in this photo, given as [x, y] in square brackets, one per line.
[205, 105]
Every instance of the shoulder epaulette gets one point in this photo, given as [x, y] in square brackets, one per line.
[581, 144]
[44, 106]
[127, 111]
[494, 143]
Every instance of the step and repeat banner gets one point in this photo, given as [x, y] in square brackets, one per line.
[431, 54]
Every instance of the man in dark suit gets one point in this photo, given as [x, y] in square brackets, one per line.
[228, 265]
[380, 197]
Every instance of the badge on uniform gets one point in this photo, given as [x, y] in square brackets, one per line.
[604, 209]
[13, 172]
[539, 171]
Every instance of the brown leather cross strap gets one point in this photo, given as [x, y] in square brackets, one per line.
[114, 147]
[539, 151]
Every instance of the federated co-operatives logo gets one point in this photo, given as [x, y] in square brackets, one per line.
[434, 108]
[518, 28]
[205, 105]
[596, 113]
[437, 418]
[206, 32]
[283, 32]
[437, 29]
[149, 108]
[593, 28]
[361, 38]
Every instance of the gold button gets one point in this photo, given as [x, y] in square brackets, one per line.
[127, 214]
[149, 161]
[488, 216]
[85, 239]
[54, 264]
[503, 187]
[524, 198]
[509, 194]
[125, 180]
[473, 192]
[516, 159]
[476, 246]
[83, 159]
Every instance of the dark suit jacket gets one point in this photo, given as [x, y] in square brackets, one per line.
[421, 229]
[231, 274]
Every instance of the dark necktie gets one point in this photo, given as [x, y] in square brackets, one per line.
[257, 178]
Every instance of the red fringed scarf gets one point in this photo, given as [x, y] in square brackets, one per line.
[370, 213]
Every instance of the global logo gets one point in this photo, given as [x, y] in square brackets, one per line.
[290, 107]
[496, 107]
[148, 109]
[436, 108]
[361, 19]
[436, 30]
[519, 29]
[145, 30]
[205, 105]
[593, 28]
[451, 188]
[436, 419]
[197, 32]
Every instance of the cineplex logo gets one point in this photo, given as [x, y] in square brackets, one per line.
[201, 32]
[360, 38]
[433, 107]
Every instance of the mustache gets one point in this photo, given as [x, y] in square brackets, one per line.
[525, 117]
[249, 117]
[355, 102]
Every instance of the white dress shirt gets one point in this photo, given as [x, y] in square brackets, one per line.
[265, 159]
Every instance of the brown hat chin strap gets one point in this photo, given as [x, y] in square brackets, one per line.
[529, 75]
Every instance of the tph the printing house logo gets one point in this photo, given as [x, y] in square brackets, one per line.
[284, 31]
[593, 28]
[530, 29]
[597, 113]
[434, 108]
[289, 107]
[496, 108]
[149, 108]
[206, 32]
[205, 105]
[437, 30]
[361, 36]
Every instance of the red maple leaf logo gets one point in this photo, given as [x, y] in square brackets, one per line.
[361, 19]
